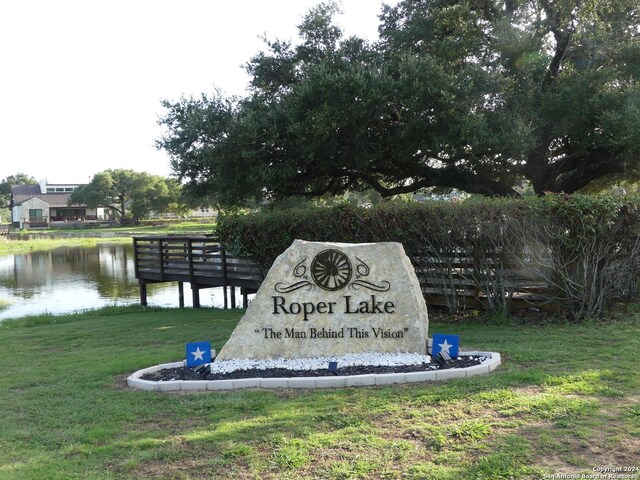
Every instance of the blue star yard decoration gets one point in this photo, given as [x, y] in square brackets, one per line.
[198, 353]
[445, 343]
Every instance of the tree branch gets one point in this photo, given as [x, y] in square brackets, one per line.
[562, 41]
[579, 171]
[446, 177]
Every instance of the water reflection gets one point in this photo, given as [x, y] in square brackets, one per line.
[75, 278]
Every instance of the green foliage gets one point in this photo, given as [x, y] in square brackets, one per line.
[19, 179]
[586, 249]
[131, 194]
[471, 95]
[7, 183]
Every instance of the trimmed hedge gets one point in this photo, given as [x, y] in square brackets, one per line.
[584, 249]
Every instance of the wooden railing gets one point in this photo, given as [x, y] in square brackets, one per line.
[456, 282]
[201, 261]
[5, 229]
[460, 282]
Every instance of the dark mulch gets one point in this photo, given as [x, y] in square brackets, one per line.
[203, 373]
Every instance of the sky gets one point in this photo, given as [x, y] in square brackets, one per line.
[81, 81]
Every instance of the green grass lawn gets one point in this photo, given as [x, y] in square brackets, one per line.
[147, 227]
[74, 237]
[565, 401]
[22, 246]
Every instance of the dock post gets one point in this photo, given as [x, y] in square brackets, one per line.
[233, 297]
[181, 294]
[195, 295]
[223, 267]
[245, 299]
[143, 293]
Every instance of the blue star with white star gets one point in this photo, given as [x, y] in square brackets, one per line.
[445, 343]
[198, 353]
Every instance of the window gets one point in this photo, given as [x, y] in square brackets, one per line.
[35, 214]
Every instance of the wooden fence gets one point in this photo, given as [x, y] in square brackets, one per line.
[462, 281]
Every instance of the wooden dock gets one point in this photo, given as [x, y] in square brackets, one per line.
[199, 260]
[454, 282]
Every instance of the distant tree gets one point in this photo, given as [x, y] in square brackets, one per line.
[476, 95]
[129, 193]
[175, 202]
[19, 179]
[192, 200]
[11, 180]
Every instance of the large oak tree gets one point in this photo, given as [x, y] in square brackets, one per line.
[130, 193]
[471, 94]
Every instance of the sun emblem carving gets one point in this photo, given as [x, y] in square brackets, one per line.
[331, 270]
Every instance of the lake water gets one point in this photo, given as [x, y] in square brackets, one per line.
[70, 279]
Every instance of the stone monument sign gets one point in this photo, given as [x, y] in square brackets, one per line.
[331, 299]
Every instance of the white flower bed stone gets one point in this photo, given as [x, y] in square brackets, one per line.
[491, 361]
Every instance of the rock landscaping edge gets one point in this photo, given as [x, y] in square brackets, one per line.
[493, 360]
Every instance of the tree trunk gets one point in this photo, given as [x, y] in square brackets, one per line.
[537, 170]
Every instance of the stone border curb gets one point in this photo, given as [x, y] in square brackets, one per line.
[493, 360]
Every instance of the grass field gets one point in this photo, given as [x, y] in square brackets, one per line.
[75, 237]
[22, 246]
[146, 227]
[565, 401]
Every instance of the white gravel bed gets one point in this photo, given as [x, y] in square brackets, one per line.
[317, 363]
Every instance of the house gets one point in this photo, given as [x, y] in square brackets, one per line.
[38, 206]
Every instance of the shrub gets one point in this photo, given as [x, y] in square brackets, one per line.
[586, 248]
[583, 250]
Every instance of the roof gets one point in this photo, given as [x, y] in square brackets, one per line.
[22, 193]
